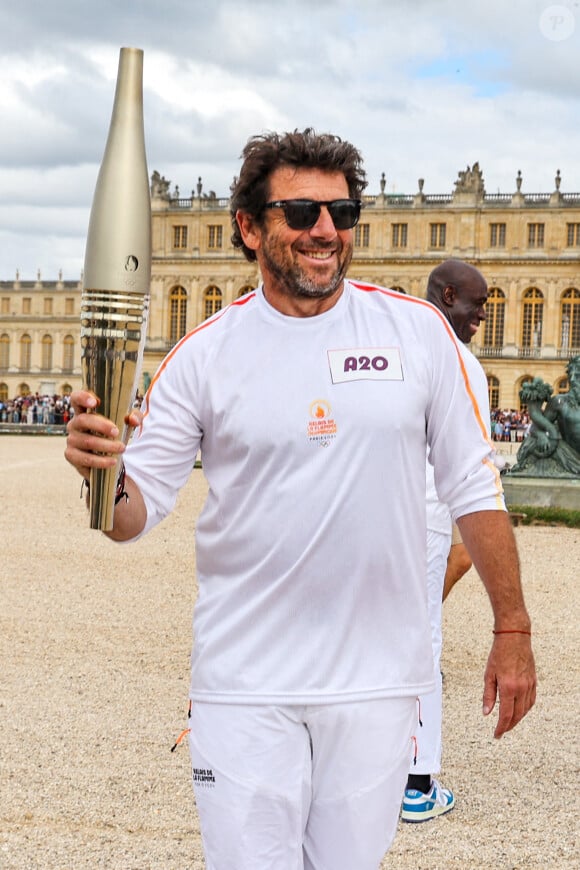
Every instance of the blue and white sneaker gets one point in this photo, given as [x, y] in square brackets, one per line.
[419, 807]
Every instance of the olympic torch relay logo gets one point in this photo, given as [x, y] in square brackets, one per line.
[321, 425]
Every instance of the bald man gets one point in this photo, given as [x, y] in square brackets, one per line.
[460, 292]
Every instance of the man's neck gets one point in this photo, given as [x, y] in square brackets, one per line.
[301, 306]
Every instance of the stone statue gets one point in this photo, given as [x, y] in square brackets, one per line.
[470, 180]
[552, 448]
[159, 186]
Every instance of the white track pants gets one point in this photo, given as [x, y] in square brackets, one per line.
[429, 736]
[300, 788]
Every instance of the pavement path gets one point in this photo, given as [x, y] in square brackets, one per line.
[94, 643]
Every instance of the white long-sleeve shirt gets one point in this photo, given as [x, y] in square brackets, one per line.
[311, 545]
[438, 516]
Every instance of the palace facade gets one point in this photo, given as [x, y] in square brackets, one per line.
[526, 245]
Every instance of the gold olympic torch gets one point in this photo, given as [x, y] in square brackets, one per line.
[117, 273]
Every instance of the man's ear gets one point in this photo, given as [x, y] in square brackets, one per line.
[449, 295]
[250, 231]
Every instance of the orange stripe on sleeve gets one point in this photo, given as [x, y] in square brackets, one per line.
[498, 484]
[415, 300]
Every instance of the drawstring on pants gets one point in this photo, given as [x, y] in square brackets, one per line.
[184, 732]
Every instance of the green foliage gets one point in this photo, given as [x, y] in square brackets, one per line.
[547, 516]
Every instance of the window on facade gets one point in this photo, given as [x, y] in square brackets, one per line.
[399, 289]
[573, 235]
[215, 236]
[3, 392]
[494, 318]
[497, 235]
[26, 305]
[437, 233]
[69, 306]
[247, 288]
[25, 352]
[23, 389]
[212, 301]
[179, 237]
[46, 358]
[532, 318]
[48, 306]
[4, 351]
[493, 391]
[535, 235]
[5, 308]
[68, 353]
[570, 320]
[177, 314]
[399, 235]
[562, 386]
[362, 235]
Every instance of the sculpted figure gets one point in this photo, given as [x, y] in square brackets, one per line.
[552, 449]
[159, 186]
[470, 180]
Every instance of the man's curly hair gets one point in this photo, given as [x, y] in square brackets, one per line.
[301, 149]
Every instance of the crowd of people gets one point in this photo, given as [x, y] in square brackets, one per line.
[48, 410]
[509, 425]
[36, 409]
[506, 424]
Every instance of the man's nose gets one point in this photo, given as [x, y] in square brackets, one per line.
[324, 226]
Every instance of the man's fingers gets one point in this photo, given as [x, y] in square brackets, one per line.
[510, 713]
[511, 675]
[85, 450]
[92, 440]
[92, 423]
[134, 418]
[506, 719]
[85, 461]
[92, 444]
[489, 693]
[82, 400]
[514, 704]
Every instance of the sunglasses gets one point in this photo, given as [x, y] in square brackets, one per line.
[302, 214]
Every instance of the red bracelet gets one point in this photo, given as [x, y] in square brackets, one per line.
[512, 631]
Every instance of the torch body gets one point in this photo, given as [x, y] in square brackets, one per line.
[117, 273]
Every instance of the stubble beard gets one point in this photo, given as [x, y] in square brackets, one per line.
[296, 283]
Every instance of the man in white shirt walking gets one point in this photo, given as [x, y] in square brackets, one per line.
[313, 400]
[460, 292]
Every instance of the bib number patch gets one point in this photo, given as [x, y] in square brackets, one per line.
[365, 364]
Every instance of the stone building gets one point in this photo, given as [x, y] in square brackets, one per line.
[39, 337]
[526, 244]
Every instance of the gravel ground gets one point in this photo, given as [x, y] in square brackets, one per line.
[95, 642]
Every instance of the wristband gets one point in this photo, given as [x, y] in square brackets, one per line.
[512, 631]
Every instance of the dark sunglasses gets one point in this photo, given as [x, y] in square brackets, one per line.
[302, 214]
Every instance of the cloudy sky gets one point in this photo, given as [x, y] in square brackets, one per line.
[423, 88]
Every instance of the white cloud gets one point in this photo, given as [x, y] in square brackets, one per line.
[423, 89]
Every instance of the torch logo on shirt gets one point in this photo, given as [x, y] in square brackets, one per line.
[321, 426]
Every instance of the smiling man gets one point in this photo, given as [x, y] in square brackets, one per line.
[313, 400]
[460, 292]
[303, 247]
